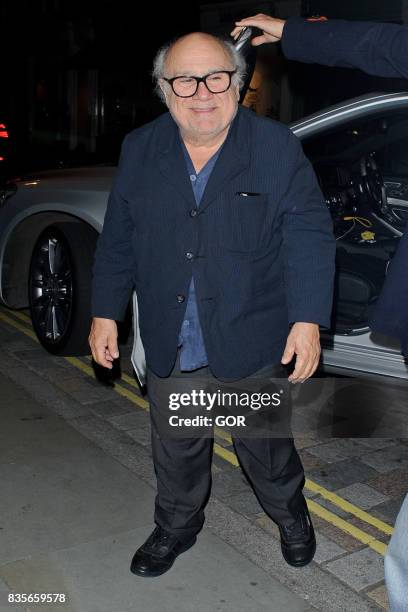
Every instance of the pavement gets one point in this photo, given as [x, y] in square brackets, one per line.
[78, 493]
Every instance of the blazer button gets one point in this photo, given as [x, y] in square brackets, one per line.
[193, 212]
[189, 255]
[180, 298]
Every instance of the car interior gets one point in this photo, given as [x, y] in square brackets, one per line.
[362, 168]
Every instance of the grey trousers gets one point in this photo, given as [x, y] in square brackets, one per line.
[183, 465]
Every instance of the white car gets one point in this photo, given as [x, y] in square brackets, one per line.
[49, 225]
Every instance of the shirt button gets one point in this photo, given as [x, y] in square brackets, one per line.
[189, 255]
[180, 298]
[193, 212]
[193, 177]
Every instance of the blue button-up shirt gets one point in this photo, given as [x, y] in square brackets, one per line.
[193, 354]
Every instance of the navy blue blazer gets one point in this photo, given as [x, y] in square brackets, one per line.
[260, 246]
[379, 49]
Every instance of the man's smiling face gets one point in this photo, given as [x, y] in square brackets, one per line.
[205, 114]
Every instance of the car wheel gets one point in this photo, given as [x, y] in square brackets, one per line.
[59, 287]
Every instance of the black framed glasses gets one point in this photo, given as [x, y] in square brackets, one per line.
[215, 82]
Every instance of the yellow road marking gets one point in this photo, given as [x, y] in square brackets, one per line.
[358, 534]
[231, 457]
[131, 396]
[223, 434]
[128, 380]
[22, 328]
[80, 365]
[22, 316]
[348, 507]
[332, 497]
[77, 363]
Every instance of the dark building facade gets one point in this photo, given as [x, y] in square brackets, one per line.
[76, 76]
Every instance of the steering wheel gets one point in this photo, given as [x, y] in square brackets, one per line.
[373, 184]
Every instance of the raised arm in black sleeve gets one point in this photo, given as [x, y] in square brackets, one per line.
[380, 49]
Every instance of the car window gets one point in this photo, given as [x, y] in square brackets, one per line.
[386, 135]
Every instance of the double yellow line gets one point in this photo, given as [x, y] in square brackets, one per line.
[229, 456]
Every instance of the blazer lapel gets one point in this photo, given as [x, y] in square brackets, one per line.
[172, 164]
[233, 159]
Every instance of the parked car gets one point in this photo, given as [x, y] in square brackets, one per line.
[50, 222]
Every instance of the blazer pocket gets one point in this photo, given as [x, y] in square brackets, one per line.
[245, 220]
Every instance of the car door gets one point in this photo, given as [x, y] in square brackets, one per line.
[359, 151]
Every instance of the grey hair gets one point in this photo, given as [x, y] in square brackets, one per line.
[235, 56]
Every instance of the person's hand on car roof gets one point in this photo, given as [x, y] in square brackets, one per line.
[271, 28]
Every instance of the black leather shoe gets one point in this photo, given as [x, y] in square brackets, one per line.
[298, 542]
[158, 553]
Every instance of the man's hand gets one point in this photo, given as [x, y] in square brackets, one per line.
[304, 341]
[271, 28]
[103, 340]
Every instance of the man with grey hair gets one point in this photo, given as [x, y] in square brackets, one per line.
[216, 219]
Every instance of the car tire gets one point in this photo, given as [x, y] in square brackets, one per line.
[59, 287]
